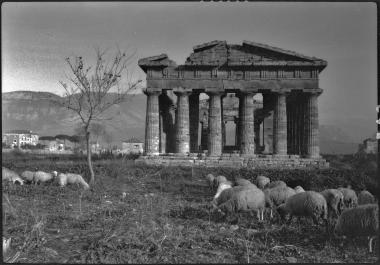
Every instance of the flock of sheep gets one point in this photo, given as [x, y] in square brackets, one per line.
[36, 177]
[353, 215]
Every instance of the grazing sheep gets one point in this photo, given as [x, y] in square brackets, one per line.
[70, 178]
[299, 189]
[335, 201]
[28, 175]
[244, 182]
[218, 180]
[222, 187]
[12, 176]
[309, 204]
[360, 221]
[365, 197]
[350, 198]
[274, 184]
[261, 181]
[244, 200]
[210, 181]
[276, 196]
[44, 177]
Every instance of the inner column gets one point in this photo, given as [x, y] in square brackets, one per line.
[279, 125]
[215, 124]
[247, 132]
[194, 121]
[182, 122]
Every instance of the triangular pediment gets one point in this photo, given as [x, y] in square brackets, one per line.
[249, 53]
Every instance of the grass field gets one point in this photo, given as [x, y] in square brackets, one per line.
[164, 218]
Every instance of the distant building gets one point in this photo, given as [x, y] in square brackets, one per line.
[18, 138]
[132, 146]
[58, 142]
[369, 146]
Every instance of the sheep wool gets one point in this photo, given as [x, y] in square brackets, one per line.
[222, 186]
[210, 180]
[12, 176]
[275, 184]
[218, 180]
[309, 204]
[43, 177]
[245, 200]
[350, 198]
[365, 197]
[360, 221]
[28, 175]
[261, 181]
[299, 189]
[278, 195]
[243, 182]
[335, 201]
[71, 178]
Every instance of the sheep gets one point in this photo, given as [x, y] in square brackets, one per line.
[12, 176]
[70, 178]
[274, 184]
[350, 198]
[244, 200]
[261, 181]
[28, 175]
[335, 201]
[309, 204]
[44, 177]
[222, 187]
[360, 221]
[218, 180]
[276, 196]
[244, 182]
[365, 197]
[299, 189]
[210, 181]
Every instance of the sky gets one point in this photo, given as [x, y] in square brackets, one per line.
[37, 37]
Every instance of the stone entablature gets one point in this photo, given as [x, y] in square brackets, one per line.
[288, 82]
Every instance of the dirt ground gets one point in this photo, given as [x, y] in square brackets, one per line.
[164, 216]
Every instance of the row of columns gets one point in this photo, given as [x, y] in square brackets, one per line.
[295, 126]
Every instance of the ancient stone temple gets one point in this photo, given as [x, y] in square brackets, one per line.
[189, 107]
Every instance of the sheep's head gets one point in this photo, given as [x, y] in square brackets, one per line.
[281, 210]
[55, 173]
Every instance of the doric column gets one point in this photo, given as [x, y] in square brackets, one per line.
[279, 125]
[215, 124]
[290, 125]
[247, 120]
[163, 135]
[312, 126]
[194, 121]
[224, 134]
[237, 134]
[204, 135]
[152, 124]
[257, 135]
[182, 137]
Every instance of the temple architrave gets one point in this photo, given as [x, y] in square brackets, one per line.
[269, 95]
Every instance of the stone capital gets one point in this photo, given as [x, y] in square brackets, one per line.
[316, 91]
[181, 91]
[214, 91]
[152, 91]
[248, 92]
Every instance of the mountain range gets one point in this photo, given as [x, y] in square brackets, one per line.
[37, 111]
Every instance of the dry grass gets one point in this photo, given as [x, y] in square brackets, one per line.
[164, 217]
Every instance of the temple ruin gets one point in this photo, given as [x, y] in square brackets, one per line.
[268, 94]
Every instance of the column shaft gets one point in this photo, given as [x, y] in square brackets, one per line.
[194, 122]
[182, 138]
[279, 125]
[312, 137]
[246, 115]
[152, 124]
[215, 125]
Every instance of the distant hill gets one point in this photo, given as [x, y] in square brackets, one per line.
[35, 111]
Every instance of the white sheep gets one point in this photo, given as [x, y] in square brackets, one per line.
[360, 221]
[223, 186]
[70, 178]
[350, 198]
[335, 201]
[28, 175]
[365, 197]
[276, 196]
[12, 176]
[44, 177]
[244, 182]
[308, 204]
[244, 200]
[210, 178]
[261, 181]
[219, 179]
[274, 184]
[299, 189]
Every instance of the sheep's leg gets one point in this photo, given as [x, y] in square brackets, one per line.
[262, 215]
[370, 244]
[271, 213]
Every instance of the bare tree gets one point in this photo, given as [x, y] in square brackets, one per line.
[88, 93]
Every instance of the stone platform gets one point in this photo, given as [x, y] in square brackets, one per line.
[234, 160]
